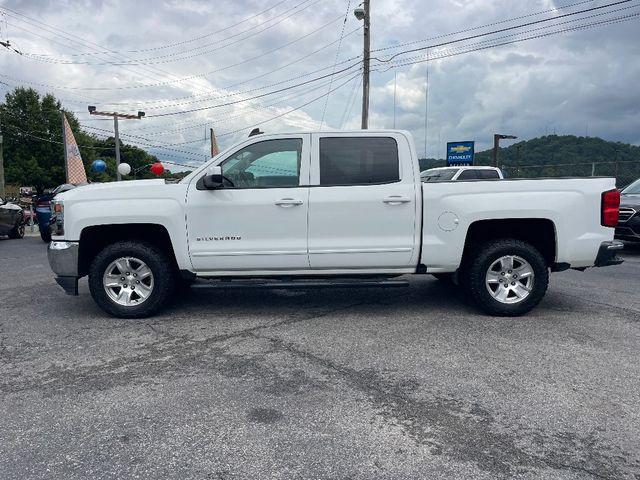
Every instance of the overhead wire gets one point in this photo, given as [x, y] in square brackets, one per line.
[226, 119]
[472, 37]
[479, 27]
[517, 40]
[179, 56]
[350, 100]
[194, 39]
[335, 61]
[545, 27]
[289, 43]
[400, 61]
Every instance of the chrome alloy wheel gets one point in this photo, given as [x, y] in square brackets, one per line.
[510, 279]
[128, 281]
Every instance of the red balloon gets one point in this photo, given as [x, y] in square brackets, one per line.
[157, 168]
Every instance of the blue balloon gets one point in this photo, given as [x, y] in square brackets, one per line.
[99, 166]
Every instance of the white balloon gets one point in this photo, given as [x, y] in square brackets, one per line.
[124, 169]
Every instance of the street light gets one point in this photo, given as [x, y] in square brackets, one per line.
[362, 13]
[496, 144]
[116, 115]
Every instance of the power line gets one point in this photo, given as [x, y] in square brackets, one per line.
[335, 61]
[226, 119]
[179, 56]
[350, 101]
[500, 30]
[492, 40]
[184, 42]
[33, 134]
[578, 27]
[69, 37]
[394, 56]
[182, 112]
[482, 26]
[351, 77]
[291, 110]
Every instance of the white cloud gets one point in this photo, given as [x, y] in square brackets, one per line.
[561, 82]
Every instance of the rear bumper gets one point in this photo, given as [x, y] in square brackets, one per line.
[607, 254]
[63, 259]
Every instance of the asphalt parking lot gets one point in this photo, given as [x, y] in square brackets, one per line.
[319, 384]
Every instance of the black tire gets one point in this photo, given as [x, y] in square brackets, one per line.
[17, 232]
[482, 258]
[157, 261]
[45, 235]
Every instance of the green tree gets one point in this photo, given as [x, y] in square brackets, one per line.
[33, 149]
[33, 152]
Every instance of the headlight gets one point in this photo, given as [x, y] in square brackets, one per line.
[57, 217]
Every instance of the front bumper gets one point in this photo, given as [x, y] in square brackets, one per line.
[629, 228]
[607, 254]
[63, 259]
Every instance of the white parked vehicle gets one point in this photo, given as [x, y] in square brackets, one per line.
[445, 174]
[326, 209]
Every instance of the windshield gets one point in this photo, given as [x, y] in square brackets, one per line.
[634, 188]
[435, 175]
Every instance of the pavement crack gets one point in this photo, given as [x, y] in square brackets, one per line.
[177, 352]
[468, 433]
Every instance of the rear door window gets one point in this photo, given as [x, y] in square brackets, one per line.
[358, 161]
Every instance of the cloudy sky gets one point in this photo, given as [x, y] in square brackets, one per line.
[232, 65]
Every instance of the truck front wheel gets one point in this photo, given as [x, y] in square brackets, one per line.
[506, 277]
[131, 279]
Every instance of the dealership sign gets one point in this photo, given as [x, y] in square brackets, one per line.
[460, 153]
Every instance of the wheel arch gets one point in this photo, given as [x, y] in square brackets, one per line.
[95, 238]
[539, 232]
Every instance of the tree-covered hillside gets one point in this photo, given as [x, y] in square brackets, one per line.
[563, 155]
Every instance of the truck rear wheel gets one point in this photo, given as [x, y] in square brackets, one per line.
[506, 277]
[131, 279]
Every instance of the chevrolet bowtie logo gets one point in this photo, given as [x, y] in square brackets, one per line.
[460, 149]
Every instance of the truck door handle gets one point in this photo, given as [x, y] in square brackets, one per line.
[396, 199]
[288, 202]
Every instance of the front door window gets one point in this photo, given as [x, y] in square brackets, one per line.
[268, 164]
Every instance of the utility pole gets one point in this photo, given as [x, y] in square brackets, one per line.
[116, 115]
[2, 191]
[362, 13]
[496, 145]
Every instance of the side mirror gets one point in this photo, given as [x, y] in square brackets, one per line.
[213, 180]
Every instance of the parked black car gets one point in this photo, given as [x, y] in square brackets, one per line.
[11, 220]
[629, 224]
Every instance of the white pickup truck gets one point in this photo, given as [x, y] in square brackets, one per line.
[328, 209]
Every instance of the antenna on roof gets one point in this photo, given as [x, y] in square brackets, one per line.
[255, 131]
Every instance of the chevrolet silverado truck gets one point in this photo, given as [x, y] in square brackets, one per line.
[331, 208]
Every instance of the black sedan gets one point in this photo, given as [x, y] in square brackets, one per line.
[629, 224]
[11, 220]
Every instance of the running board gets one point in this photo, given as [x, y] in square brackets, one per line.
[290, 284]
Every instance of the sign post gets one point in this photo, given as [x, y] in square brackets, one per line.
[460, 153]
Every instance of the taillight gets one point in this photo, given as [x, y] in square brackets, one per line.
[610, 208]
